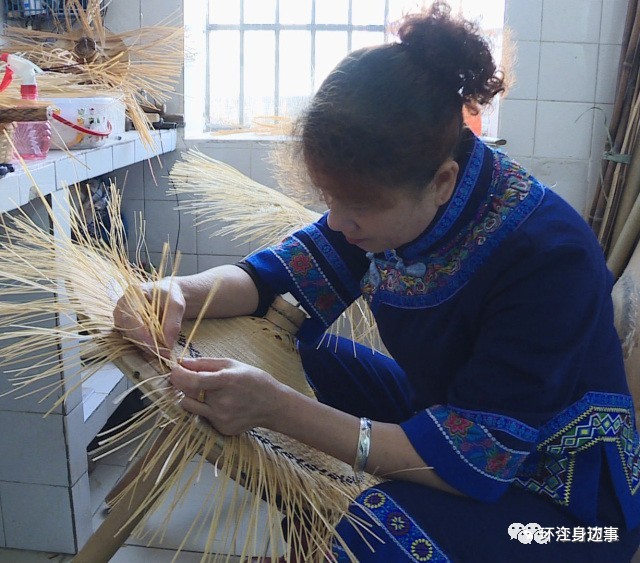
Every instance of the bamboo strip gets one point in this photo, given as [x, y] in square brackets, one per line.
[249, 211]
[63, 274]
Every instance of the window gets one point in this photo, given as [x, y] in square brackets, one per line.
[253, 63]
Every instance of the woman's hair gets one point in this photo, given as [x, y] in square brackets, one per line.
[390, 115]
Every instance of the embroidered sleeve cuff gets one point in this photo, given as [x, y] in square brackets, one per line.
[465, 453]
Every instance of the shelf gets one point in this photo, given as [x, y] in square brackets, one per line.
[99, 396]
[46, 458]
[62, 168]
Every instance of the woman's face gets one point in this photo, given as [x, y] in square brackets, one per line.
[380, 220]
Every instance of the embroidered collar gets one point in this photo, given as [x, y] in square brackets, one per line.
[496, 208]
[455, 206]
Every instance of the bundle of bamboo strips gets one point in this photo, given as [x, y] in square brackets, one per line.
[134, 66]
[77, 277]
[615, 211]
[252, 212]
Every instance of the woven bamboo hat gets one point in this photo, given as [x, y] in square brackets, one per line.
[290, 476]
[267, 343]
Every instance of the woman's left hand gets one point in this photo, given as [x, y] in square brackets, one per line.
[232, 396]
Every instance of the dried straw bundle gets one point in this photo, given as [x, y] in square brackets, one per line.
[79, 282]
[134, 66]
[250, 211]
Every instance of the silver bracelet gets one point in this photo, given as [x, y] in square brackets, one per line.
[364, 445]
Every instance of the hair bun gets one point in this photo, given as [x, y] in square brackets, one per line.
[453, 51]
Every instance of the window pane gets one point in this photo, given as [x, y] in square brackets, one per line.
[397, 8]
[224, 82]
[295, 71]
[295, 11]
[259, 74]
[331, 48]
[332, 11]
[224, 11]
[489, 14]
[367, 12]
[361, 39]
[259, 11]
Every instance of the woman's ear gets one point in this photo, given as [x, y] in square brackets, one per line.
[444, 181]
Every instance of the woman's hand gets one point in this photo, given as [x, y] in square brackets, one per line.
[236, 398]
[128, 321]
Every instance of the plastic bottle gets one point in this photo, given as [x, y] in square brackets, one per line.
[32, 139]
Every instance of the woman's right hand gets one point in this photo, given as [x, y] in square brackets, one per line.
[171, 308]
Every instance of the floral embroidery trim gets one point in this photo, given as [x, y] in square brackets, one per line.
[463, 192]
[505, 424]
[337, 263]
[596, 418]
[314, 287]
[475, 445]
[401, 528]
[439, 275]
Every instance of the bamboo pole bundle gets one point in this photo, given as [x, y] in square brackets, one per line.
[617, 190]
[78, 278]
[134, 66]
[252, 212]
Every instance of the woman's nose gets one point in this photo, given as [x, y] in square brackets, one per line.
[339, 221]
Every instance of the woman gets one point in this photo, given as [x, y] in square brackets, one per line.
[503, 421]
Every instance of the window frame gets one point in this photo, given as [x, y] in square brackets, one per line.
[312, 27]
[198, 39]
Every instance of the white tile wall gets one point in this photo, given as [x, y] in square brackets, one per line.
[614, 14]
[261, 167]
[207, 261]
[568, 71]
[145, 193]
[35, 504]
[608, 65]
[130, 180]
[166, 225]
[583, 15]
[188, 263]
[524, 19]
[561, 175]
[518, 119]
[156, 176]
[525, 86]
[211, 243]
[36, 403]
[81, 499]
[563, 130]
[567, 60]
[44, 436]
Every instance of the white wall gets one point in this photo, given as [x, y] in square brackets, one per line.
[553, 118]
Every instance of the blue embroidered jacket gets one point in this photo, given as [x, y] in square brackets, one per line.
[501, 315]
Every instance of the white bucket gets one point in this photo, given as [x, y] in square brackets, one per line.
[84, 123]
